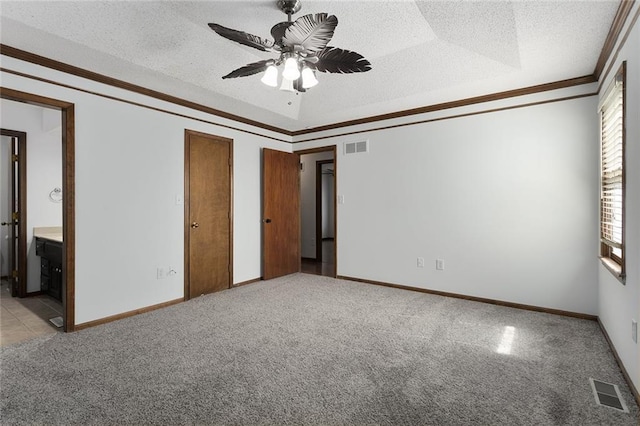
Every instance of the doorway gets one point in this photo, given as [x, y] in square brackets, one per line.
[14, 211]
[318, 211]
[67, 269]
[208, 214]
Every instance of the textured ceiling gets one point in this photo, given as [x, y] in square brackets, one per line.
[422, 52]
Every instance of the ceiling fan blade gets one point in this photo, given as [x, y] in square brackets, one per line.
[277, 32]
[336, 60]
[250, 69]
[311, 32]
[243, 38]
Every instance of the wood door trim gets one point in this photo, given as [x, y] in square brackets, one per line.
[67, 110]
[187, 213]
[22, 208]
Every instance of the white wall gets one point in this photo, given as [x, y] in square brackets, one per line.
[619, 304]
[308, 201]
[44, 172]
[129, 169]
[505, 198]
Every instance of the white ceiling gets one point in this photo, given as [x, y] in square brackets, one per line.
[422, 52]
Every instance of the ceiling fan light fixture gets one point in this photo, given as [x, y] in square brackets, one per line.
[270, 77]
[308, 78]
[291, 69]
[287, 85]
[303, 45]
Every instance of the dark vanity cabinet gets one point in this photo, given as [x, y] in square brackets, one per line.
[50, 253]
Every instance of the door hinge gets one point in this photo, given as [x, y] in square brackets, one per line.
[14, 274]
[14, 157]
[15, 216]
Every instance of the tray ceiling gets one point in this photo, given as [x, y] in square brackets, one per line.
[422, 52]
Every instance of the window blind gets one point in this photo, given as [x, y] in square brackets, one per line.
[612, 162]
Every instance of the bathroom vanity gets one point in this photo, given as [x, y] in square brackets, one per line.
[49, 248]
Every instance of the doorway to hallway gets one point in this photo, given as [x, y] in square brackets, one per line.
[318, 211]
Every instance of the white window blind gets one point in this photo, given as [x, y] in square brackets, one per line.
[612, 173]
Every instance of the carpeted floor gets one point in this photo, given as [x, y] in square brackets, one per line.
[306, 349]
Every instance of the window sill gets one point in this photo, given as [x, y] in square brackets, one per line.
[614, 268]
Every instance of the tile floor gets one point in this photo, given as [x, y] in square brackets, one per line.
[26, 318]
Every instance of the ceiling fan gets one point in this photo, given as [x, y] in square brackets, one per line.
[303, 49]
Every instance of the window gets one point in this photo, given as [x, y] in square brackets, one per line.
[612, 175]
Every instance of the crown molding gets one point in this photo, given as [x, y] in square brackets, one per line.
[101, 78]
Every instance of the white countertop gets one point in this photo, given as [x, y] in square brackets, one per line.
[53, 233]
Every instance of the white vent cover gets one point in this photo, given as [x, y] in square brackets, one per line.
[608, 395]
[356, 147]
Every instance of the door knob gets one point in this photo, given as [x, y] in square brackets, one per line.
[195, 225]
[267, 221]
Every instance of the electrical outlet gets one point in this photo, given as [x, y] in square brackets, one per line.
[421, 262]
[634, 330]
[440, 264]
[160, 273]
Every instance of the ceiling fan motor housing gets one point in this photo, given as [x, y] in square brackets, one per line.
[289, 7]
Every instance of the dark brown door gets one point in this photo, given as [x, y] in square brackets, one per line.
[16, 215]
[281, 213]
[208, 227]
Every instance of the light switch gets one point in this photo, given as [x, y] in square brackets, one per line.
[340, 199]
[179, 200]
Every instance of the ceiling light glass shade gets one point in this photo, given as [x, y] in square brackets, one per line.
[308, 78]
[291, 71]
[270, 77]
[287, 85]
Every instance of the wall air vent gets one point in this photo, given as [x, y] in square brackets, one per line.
[356, 147]
[608, 395]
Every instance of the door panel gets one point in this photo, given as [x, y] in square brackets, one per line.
[14, 218]
[281, 213]
[17, 212]
[208, 215]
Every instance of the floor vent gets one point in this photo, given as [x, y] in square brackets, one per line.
[608, 395]
[57, 321]
[356, 147]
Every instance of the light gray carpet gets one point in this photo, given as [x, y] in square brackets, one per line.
[312, 350]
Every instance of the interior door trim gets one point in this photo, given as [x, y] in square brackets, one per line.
[187, 213]
[22, 209]
[67, 111]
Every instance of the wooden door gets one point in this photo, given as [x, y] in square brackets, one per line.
[281, 213]
[208, 218]
[17, 214]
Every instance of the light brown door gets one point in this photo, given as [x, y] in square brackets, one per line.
[208, 219]
[281, 213]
